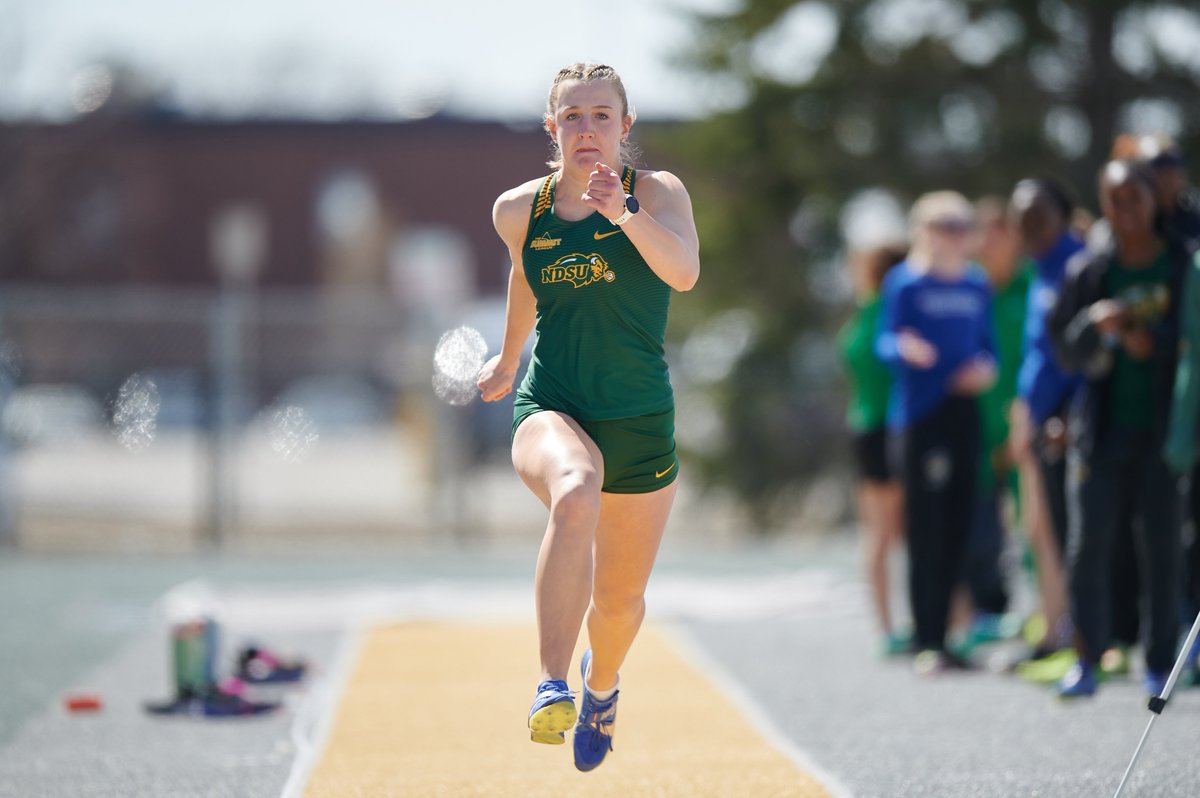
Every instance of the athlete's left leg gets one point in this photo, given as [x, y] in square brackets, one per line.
[627, 539]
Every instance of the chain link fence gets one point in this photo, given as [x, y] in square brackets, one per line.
[170, 419]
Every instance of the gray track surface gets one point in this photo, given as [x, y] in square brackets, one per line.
[801, 645]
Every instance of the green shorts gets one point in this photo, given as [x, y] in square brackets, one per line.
[639, 452]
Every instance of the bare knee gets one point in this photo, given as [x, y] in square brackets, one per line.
[575, 498]
[619, 603]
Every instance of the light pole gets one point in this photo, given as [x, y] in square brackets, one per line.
[238, 246]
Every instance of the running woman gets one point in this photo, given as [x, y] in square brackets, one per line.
[596, 248]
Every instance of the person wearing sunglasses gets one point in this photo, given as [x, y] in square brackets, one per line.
[935, 332]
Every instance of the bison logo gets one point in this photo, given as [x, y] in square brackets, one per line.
[579, 270]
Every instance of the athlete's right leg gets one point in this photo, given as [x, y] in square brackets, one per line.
[561, 464]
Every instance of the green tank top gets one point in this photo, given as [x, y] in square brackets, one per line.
[601, 317]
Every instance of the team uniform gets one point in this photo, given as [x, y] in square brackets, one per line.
[598, 351]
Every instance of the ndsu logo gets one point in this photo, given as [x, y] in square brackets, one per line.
[579, 270]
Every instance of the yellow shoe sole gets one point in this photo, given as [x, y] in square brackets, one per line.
[548, 723]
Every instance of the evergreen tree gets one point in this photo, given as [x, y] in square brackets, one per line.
[834, 97]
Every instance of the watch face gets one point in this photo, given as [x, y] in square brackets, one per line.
[631, 203]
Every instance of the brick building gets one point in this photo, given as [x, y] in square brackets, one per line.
[124, 198]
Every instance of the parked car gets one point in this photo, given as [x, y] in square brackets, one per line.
[45, 413]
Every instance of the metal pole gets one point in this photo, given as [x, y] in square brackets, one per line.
[226, 367]
[1159, 702]
[238, 240]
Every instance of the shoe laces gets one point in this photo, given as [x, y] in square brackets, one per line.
[556, 686]
[599, 716]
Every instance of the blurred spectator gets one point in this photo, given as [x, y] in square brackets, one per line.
[879, 495]
[1043, 211]
[1116, 322]
[935, 331]
[1009, 274]
[1180, 450]
[1180, 217]
[1180, 220]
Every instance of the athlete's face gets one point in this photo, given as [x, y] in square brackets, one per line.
[588, 125]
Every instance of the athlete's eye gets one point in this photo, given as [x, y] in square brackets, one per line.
[602, 115]
[571, 117]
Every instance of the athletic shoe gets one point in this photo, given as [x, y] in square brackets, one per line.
[215, 703]
[1035, 629]
[931, 662]
[1114, 662]
[1049, 668]
[552, 713]
[594, 731]
[258, 666]
[989, 627]
[1080, 682]
[961, 645]
[897, 644]
[1154, 682]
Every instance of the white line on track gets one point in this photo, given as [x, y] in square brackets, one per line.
[314, 719]
[755, 713]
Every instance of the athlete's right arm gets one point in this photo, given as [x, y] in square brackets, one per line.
[511, 218]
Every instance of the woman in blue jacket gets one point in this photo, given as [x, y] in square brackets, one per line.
[936, 334]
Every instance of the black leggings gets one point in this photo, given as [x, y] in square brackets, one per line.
[940, 467]
[1126, 470]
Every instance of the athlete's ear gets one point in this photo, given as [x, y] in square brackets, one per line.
[549, 125]
[626, 125]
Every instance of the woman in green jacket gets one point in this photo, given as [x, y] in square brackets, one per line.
[880, 499]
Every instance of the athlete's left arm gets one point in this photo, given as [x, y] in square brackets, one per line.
[664, 232]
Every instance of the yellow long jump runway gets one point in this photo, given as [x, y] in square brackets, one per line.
[438, 709]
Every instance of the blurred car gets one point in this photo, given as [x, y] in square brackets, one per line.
[337, 402]
[181, 399]
[45, 413]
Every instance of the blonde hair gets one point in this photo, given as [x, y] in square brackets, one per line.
[586, 73]
[928, 208]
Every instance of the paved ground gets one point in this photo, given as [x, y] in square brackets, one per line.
[784, 627]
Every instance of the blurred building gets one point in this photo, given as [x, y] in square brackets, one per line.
[344, 240]
[122, 198]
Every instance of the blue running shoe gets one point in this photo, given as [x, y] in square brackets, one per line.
[552, 713]
[594, 731]
[1154, 682]
[1080, 682]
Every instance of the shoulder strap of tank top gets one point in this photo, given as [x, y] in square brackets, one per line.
[544, 198]
[628, 176]
[542, 202]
